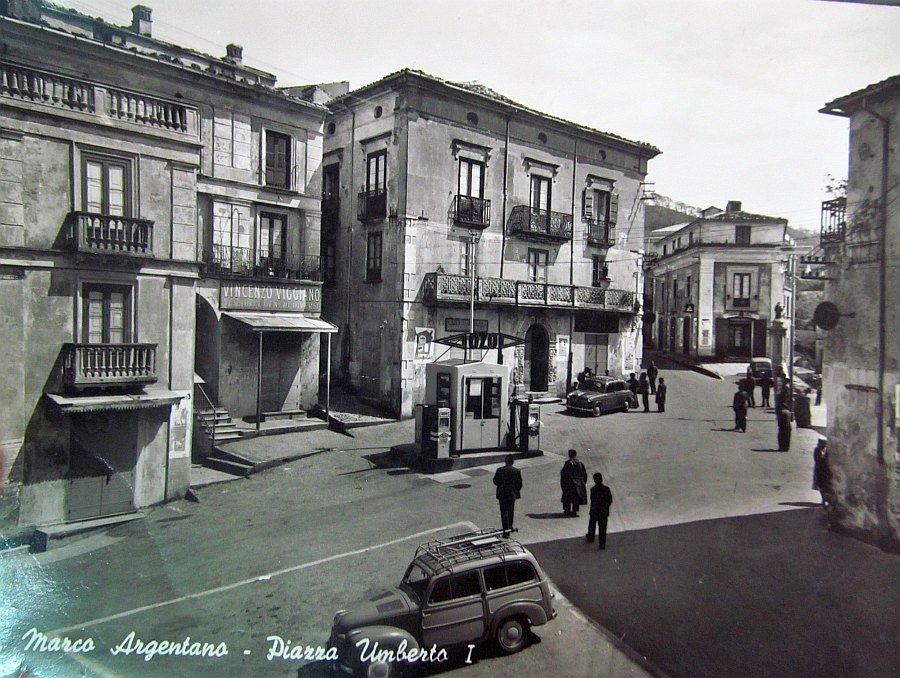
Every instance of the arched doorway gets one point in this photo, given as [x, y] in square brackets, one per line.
[537, 356]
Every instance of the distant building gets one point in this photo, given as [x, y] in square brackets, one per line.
[429, 185]
[714, 281]
[860, 237]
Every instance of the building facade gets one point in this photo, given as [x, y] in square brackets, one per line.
[449, 208]
[860, 237]
[147, 191]
[717, 282]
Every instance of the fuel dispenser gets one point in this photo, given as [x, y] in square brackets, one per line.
[441, 435]
[529, 427]
[433, 431]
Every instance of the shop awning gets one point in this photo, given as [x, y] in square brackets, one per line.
[283, 322]
[96, 403]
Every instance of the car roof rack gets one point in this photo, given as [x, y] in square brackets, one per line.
[442, 554]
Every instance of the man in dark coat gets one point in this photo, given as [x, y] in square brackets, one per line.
[661, 395]
[601, 500]
[750, 388]
[633, 385]
[508, 480]
[644, 390]
[652, 373]
[765, 387]
[822, 476]
[783, 418]
[572, 479]
[739, 405]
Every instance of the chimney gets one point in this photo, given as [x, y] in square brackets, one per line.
[141, 20]
[234, 53]
[733, 206]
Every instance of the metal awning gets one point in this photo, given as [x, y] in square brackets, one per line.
[283, 322]
[97, 403]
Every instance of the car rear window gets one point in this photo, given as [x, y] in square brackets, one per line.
[508, 574]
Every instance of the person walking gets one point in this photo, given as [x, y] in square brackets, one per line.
[783, 418]
[644, 391]
[633, 385]
[765, 388]
[652, 373]
[661, 395]
[750, 388]
[572, 480]
[822, 478]
[601, 500]
[739, 405]
[508, 480]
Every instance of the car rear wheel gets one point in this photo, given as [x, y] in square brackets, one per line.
[512, 634]
[597, 411]
[380, 670]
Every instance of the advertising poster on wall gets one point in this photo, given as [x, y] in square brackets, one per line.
[424, 343]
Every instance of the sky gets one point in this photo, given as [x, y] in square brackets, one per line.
[728, 90]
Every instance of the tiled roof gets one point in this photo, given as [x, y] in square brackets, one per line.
[846, 103]
[487, 93]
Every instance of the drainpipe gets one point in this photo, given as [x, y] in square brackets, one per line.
[346, 363]
[505, 189]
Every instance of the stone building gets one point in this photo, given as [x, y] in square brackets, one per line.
[145, 189]
[714, 282]
[860, 237]
[448, 207]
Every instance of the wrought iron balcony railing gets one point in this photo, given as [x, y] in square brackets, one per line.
[104, 233]
[252, 263]
[471, 212]
[372, 205]
[599, 234]
[89, 365]
[834, 221]
[534, 224]
[444, 287]
[48, 89]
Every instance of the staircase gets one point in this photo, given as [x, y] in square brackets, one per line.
[218, 424]
[217, 428]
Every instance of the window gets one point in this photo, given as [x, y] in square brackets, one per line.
[376, 172]
[741, 289]
[665, 250]
[106, 186]
[600, 272]
[742, 235]
[540, 193]
[373, 257]
[271, 237]
[537, 265]
[690, 238]
[106, 317]
[331, 182]
[468, 260]
[688, 289]
[455, 587]
[278, 160]
[471, 178]
[509, 574]
[329, 272]
[739, 336]
[595, 205]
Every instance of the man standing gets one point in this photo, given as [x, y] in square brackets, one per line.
[783, 418]
[572, 479]
[739, 405]
[644, 391]
[652, 373]
[750, 387]
[601, 500]
[661, 395]
[508, 480]
[765, 387]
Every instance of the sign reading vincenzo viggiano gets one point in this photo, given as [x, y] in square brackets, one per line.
[252, 296]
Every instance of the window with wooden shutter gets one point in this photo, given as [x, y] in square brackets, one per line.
[613, 208]
[106, 316]
[587, 204]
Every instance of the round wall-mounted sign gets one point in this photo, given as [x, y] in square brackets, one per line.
[826, 316]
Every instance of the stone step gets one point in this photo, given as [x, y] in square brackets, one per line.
[235, 468]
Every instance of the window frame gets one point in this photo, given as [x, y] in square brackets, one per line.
[467, 191]
[374, 256]
[272, 218]
[270, 170]
[107, 161]
[736, 286]
[379, 158]
[537, 196]
[742, 234]
[535, 254]
[107, 290]
[598, 266]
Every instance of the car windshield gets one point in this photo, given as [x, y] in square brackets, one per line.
[591, 385]
[416, 581]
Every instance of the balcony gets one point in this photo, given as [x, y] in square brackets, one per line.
[539, 225]
[92, 365]
[599, 234]
[107, 234]
[251, 263]
[372, 205]
[834, 221]
[444, 287]
[471, 212]
[34, 87]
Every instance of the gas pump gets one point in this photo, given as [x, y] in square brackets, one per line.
[441, 435]
[529, 427]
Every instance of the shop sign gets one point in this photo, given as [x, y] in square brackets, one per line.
[481, 340]
[252, 296]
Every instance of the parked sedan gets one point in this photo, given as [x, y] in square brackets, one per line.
[600, 394]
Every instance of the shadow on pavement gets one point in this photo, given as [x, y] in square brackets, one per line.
[547, 516]
[773, 594]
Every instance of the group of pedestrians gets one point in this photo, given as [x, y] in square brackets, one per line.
[646, 385]
[744, 399]
[573, 483]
